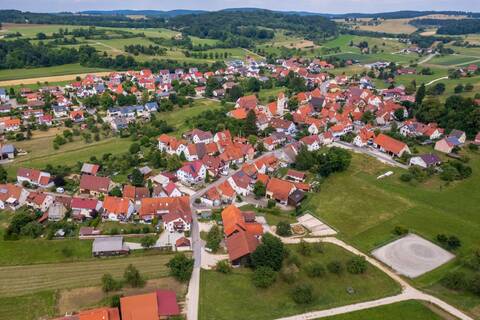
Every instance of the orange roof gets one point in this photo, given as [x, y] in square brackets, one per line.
[240, 244]
[12, 122]
[389, 144]
[153, 206]
[272, 107]
[140, 307]
[233, 220]
[239, 113]
[263, 178]
[254, 228]
[116, 205]
[226, 190]
[280, 189]
[100, 314]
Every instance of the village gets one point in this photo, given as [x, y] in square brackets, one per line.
[223, 179]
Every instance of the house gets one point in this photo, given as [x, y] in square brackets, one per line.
[76, 116]
[85, 208]
[39, 201]
[425, 161]
[109, 246]
[88, 232]
[192, 173]
[169, 190]
[446, 145]
[459, 135]
[34, 177]
[235, 221]
[364, 137]
[295, 175]
[311, 142]
[279, 190]
[390, 145]
[295, 198]
[241, 183]
[56, 212]
[161, 304]
[7, 151]
[198, 136]
[247, 102]
[117, 209]
[215, 166]
[135, 193]
[183, 244]
[158, 207]
[175, 221]
[167, 299]
[211, 197]
[90, 169]
[240, 246]
[99, 314]
[95, 185]
[60, 111]
[285, 126]
[171, 145]
[12, 196]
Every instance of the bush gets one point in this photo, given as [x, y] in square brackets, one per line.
[293, 259]
[406, 177]
[305, 248]
[223, 266]
[148, 241]
[271, 204]
[449, 242]
[455, 280]
[181, 267]
[335, 267]
[472, 260]
[115, 301]
[269, 253]
[284, 229]
[315, 270]
[318, 247]
[109, 283]
[133, 278]
[474, 284]
[289, 274]
[302, 293]
[357, 265]
[400, 231]
[264, 277]
[214, 237]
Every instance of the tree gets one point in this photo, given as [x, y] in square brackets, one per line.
[264, 277]
[302, 293]
[421, 92]
[3, 174]
[132, 277]
[137, 178]
[181, 267]
[284, 229]
[455, 280]
[214, 237]
[134, 148]
[250, 126]
[223, 266]
[148, 241]
[116, 192]
[109, 283]
[357, 265]
[305, 248]
[269, 253]
[399, 114]
[259, 189]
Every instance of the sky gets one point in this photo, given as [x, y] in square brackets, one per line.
[323, 6]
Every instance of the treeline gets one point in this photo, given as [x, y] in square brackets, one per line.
[150, 50]
[450, 26]
[241, 28]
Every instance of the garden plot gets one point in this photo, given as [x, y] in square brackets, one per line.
[315, 226]
[412, 255]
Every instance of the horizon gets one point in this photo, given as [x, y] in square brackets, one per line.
[313, 6]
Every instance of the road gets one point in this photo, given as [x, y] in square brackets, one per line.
[436, 80]
[371, 152]
[430, 57]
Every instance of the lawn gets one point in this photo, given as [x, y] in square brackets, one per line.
[233, 296]
[66, 69]
[273, 216]
[35, 306]
[21, 280]
[453, 60]
[366, 210]
[411, 310]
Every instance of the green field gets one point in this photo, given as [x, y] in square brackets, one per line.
[408, 310]
[233, 296]
[39, 305]
[21, 280]
[66, 69]
[454, 60]
[366, 210]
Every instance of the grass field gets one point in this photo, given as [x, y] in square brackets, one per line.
[233, 296]
[39, 305]
[408, 310]
[21, 280]
[390, 26]
[366, 210]
[66, 69]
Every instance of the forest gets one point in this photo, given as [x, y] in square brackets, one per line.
[450, 26]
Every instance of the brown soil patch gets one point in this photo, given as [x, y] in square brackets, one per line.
[50, 79]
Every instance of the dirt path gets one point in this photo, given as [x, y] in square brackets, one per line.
[436, 80]
[67, 77]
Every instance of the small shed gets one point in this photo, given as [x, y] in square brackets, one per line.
[109, 246]
[295, 198]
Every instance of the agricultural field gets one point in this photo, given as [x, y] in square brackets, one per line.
[233, 292]
[387, 26]
[365, 211]
[39, 305]
[411, 310]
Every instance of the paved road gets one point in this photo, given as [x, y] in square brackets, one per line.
[371, 152]
[430, 57]
[436, 80]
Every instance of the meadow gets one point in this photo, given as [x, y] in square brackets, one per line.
[237, 298]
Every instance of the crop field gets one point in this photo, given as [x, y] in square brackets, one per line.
[389, 26]
[454, 60]
[20, 280]
[233, 292]
[39, 305]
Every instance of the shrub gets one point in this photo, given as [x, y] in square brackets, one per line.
[133, 278]
[264, 277]
[335, 267]
[357, 265]
[223, 266]
[109, 283]
[406, 177]
[318, 247]
[214, 237]
[302, 293]
[305, 248]
[289, 274]
[400, 231]
[181, 267]
[455, 280]
[293, 259]
[472, 260]
[284, 229]
[115, 301]
[148, 241]
[269, 253]
[271, 204]
[314, 270]
[474, 284]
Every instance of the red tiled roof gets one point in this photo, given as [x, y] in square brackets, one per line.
[100, 314]
[389, 144]
[140, 307]
[167, 302]
[94, 183]
[280, 189]
[240, 244]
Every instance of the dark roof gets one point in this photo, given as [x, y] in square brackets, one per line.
[430, 159]
[296, 196]
[167, 303]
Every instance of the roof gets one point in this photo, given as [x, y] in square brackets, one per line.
[167, 303]
[280, 189]
[389, 144]
[100, 314]
[90, 168]
[240, 244]
[233, 220]
[108, 244]
[156, 206]
[140, 307]
[295, 174]
[430, 159]
[94, 183]
[83, 203]
[116, 205]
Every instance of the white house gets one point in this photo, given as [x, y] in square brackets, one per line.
[192, 173]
